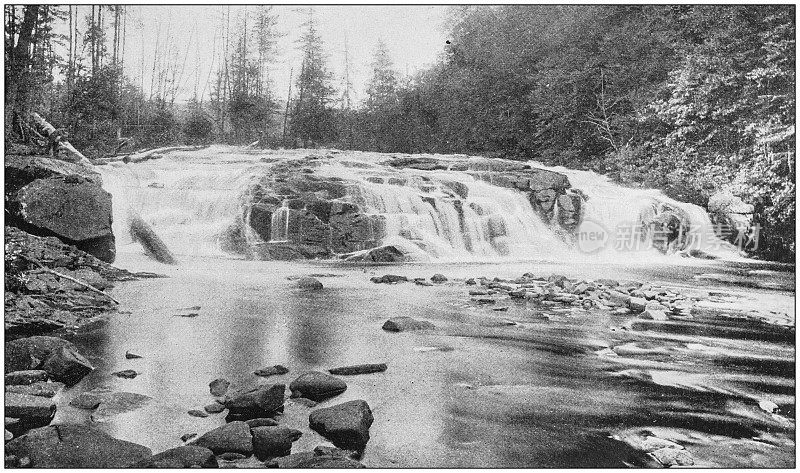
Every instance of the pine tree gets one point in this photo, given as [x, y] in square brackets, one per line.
[382, 88]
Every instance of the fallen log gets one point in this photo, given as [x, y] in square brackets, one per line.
[49, 129]
[153, 246]
[154, 153]
[69, 278]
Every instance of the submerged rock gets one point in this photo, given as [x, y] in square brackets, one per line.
[269, 442]
[186, 456]
[214, 408]
[321, 457]
[346, 425]
[272, 371]
[127, 374]
[262, 401]
[404, 324]
[118, 403]
[311, 284]
[381, 254]
[388, 279]
[219, 386]
[86, 400]
[317, 386]
[233, 437]
[358, 369]
[76, 446]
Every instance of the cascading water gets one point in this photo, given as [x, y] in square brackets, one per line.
[193, 200]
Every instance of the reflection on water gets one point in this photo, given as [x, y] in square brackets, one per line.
[546, 392]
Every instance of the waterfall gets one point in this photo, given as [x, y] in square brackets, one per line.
[194, 200]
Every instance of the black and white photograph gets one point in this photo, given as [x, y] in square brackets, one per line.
[400, 236]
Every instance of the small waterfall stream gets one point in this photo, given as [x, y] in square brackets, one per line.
[193, 199]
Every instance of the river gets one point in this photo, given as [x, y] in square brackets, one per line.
[558, 388]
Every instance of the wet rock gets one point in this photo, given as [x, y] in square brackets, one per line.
[86, 400]
[76, 446]
[422, 282]
[262, 401]
[346, 425]
[37, 408]
[310, 284]
[673, 457]
[59, 358]
[272, 371]
[25, 377]
[651, 314]
[637, 304]
[214, 408]
[382, 254]
[219, 386]
[187, 437]
[358, 369]
[333, 459]
[127, 374]
[617, 298]
[197, 413]
[39, 388]
[8, 435]
[651, 444]
[233, 437]
[131, 356]
[261, 422]
[269, 442]
[405, 324]
[470, 282]
[186, 456]
[438, 278]
[113, 404]
[232, 457]
[480, 292]
[317, 386]
[388, 279]
[607, 282]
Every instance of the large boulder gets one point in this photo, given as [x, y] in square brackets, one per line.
[75, 446]
[37, 409]
[186, 456]
[346, 425]
[405, 324]
[270, 442]
[233, 437]
[59, 358]
[263, 401]
[317, 386]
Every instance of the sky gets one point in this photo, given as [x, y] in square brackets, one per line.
[414, 35]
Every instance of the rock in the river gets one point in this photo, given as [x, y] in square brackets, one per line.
[310, 284]
[651, 314]
[75, 446]
[358, 369]
[651, 444]
[317, 386]
[673, 457]
[39, 388]
[439, 278]
[197, 413]
[37, 408]
[8, 435]
[127, 374]
[272, 371]
[381, 254]
[388, 279]
[25, 377]
[187, 437]
[404, 324]
[86, 400]
[325, 457]
[261, 422]
[219, 386]
[58, 357]
[118, 403]
[262, 401]
[346, 425]
[186, 456]
[131, 356]
[232, 437]
[269, 442]
[637, 304]
[214, 408]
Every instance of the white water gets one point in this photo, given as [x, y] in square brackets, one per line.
[191, 198]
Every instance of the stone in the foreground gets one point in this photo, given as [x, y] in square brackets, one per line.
[233, 437]
[263, 401]
[75, 446]
[321, 457]
[29, 407]
[358, 369]
[317, 386]
[186, 456]
[58, 357]
[270, 442]
[309, 284]
[404, 324]
[25, 377]
[346, 425]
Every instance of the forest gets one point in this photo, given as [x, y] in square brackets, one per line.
[690, 99]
